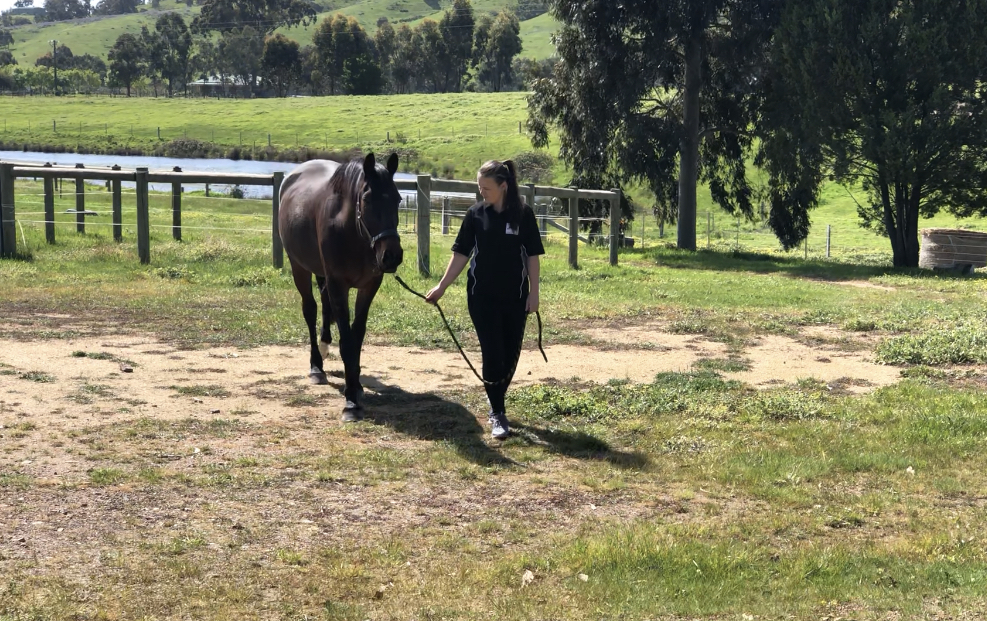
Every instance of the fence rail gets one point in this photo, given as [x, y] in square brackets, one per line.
[424, 188]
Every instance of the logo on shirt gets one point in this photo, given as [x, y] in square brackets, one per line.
[510, 230]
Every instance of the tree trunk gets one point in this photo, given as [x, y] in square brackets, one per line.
[910, 235]
[901, 222]
[689, 145]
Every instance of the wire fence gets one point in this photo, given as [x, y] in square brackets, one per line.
[344, 137]
[250, 219]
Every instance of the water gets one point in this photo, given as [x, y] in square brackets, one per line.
[166, 164]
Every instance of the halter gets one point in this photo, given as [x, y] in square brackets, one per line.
[365, 232]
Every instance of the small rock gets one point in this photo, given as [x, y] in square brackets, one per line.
[126, 368]
[910, 470]
[214, 411]
[196, 400]
[583, 577]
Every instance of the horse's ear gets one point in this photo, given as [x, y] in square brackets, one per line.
[392, 164]
[369, 166]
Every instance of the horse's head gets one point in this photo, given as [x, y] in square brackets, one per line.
[379, 212]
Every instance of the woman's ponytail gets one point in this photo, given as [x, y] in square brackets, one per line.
[506, 172]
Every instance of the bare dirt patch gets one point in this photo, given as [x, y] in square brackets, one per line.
[43, 380]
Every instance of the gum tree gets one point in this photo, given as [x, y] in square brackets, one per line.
[888, 94]
[664, 92]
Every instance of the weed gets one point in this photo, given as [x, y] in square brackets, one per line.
[106, 476]
[211, 390]
[37, 376]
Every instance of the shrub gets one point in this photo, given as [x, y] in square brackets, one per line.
[534, 167]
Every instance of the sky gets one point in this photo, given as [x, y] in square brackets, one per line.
[6, 4]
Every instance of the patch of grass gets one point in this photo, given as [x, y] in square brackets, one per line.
[939, 345]
[297, 401]
[37, 376]
[106, 476]
[15, 481]
[723, 365]
[102, 355]
[292, 557]
[208, 390]
[179, 546]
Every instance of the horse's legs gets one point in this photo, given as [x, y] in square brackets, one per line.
[348, 348]
[310, 310]
[326, 339]
[364, 297]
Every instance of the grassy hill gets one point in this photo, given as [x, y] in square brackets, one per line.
[93, 35]
[96, 35]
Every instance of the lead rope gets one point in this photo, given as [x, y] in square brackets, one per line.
[517, 357]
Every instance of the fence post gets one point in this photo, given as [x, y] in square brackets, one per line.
[446, 216]
[276, 248]
[829, 231]
[176, 207]
[424, 223]
[80, 203]
[709, 218]
[615, 235]
[8, 236]
[49, 207]
[574, 229]
[117, 207]
[143, 217]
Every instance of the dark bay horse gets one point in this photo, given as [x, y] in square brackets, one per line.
[339, 222]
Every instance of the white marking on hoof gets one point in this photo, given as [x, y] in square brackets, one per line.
[323, 349]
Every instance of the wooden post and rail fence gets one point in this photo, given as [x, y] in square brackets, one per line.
[423, 186]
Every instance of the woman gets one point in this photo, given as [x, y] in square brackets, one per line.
[499, 238]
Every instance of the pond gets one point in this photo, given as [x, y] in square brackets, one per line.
[166, 163]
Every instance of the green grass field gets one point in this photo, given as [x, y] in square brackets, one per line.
[443, 135]
[96, 35]
[687, 497]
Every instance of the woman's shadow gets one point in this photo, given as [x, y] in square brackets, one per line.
[432, 418]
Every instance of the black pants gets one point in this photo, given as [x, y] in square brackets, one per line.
[500, 329]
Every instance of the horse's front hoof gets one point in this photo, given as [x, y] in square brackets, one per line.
[352, 412]
[318, 377]
[324, 349]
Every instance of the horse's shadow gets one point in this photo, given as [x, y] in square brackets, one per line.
[579, 445]
[428, 417]
[433, 418]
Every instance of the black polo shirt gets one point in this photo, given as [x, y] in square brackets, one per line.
[498, 254]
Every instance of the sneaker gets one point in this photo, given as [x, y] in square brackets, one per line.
[498, 425]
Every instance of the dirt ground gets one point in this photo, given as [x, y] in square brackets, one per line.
[69, 408]
[169, 383]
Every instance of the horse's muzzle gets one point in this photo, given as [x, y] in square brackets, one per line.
[391, 259]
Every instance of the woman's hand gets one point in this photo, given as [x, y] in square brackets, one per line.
[433, 296]
[532, 305]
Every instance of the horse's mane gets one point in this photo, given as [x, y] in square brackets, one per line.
[349, 176]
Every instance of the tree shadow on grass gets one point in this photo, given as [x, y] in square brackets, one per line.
[793, 266]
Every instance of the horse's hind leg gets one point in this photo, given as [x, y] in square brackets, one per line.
[310, 310]
[327, 319]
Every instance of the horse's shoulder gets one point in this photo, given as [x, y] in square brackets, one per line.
[310, 174]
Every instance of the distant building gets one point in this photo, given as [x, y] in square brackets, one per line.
[214, 87]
